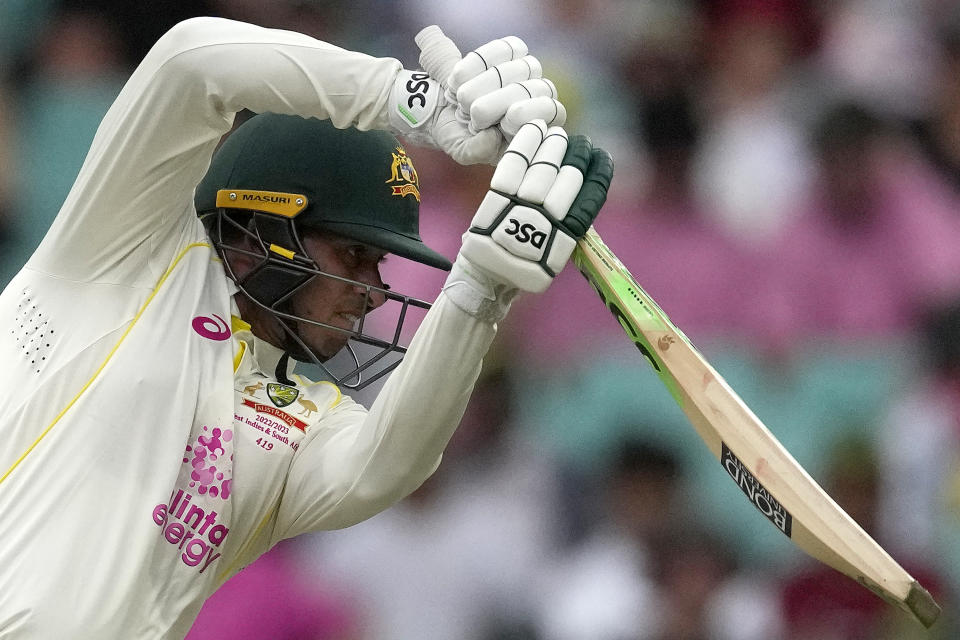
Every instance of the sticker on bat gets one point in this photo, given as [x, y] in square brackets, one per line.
[623, 319]
[758, 494]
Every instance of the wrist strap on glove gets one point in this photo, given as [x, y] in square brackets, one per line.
[413, 101]
[473, 290]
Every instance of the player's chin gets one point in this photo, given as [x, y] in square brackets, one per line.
[322, 345]
[328, 346]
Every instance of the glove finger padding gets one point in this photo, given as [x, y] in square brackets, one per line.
[545, 107]
[496, 78]
[542, 172]
[491, 108]
[578, 203]
[593, 193]
[482, 58]
[545, 193]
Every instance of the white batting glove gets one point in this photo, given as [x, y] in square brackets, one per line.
[472, 106]
[544, 195]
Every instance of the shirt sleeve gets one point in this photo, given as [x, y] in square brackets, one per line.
[355, 464]
[131, 207]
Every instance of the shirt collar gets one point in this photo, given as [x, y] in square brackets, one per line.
[254, 355]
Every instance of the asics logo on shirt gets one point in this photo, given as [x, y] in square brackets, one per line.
[214, 328]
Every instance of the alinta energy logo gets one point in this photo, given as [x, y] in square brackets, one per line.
[404, 175]
[189, 520]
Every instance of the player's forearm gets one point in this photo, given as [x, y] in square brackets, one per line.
[421, 405]
[243, 66]
[183, 96]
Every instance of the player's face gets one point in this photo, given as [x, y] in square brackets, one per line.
[333, 302]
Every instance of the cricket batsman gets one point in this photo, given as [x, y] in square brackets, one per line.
[154, 437]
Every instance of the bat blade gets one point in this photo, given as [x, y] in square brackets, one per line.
[750, 454]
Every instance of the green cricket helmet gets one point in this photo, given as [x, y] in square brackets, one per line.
[277, 176]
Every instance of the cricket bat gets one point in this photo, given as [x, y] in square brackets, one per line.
[763, 469]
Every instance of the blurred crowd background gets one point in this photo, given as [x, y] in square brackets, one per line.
[787, 187]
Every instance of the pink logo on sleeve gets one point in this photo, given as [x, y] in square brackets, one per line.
[206, 453]
[190, 520]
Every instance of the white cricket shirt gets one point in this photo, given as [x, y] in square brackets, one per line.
[146, 452]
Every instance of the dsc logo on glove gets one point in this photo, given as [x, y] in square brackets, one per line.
[523, 233]
[418, 87]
